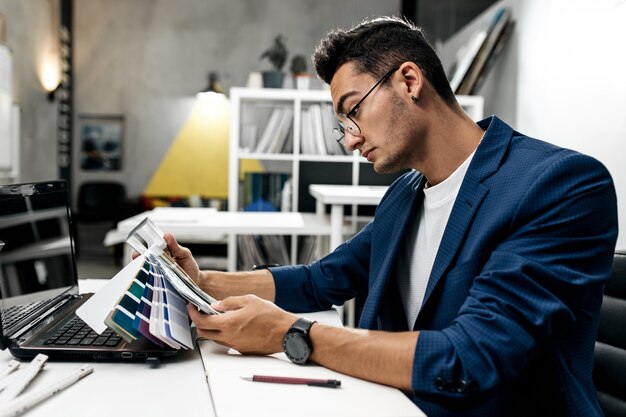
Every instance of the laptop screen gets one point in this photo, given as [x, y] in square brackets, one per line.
[37, 262]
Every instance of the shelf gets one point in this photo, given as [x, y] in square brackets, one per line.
[299, 122]
[266, 156]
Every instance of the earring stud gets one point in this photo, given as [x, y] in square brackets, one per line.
[414, 98]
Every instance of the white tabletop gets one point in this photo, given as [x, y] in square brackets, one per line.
[208, 383]
[176, 387]
[355, 397]
[210, 225]
[348, 194]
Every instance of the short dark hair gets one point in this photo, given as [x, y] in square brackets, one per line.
[377, 45]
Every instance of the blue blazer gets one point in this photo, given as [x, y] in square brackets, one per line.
[511, 310]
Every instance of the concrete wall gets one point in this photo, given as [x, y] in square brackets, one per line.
[146, 59]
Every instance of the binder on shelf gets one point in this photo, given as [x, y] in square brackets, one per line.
[318, 129]
[307, 144]
[248, 137]
[493, 56]
[280, 136]
[465, 57]
[269, 131]
[498, 24]
[264, 249]
[308, 249]
[329, 122]
[262, 191]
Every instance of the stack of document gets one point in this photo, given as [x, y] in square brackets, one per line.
[149, 296]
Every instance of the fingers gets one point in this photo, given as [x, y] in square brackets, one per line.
[216, 322]
[177, 251]
[135, 254]
[234, 302]
[200, 319]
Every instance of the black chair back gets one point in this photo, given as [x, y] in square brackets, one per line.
[609, 370]
[101, 201]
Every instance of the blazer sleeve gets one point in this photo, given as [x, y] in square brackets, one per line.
[332, 280]
[542, 279]
[340, 275]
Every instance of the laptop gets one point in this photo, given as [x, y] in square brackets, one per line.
[39, 284]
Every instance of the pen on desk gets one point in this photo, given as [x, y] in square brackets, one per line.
[327, 383]
[24, 402]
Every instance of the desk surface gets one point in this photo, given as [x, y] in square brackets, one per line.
[206, 382]
[348, 194]
[356, 397]
[202, 225]
[177, 387]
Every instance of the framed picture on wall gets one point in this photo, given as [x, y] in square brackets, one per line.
[101, 142]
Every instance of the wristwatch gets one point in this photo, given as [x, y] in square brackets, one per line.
[296, 343]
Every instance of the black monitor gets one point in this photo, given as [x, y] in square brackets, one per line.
[317, 172]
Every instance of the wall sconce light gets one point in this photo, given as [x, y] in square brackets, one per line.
[49, 64]
[50, 72]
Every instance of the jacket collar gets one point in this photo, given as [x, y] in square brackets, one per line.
[486, 161]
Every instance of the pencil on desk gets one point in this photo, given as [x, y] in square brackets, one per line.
[326, 383]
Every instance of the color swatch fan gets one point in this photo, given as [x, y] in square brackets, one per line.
[148, 298]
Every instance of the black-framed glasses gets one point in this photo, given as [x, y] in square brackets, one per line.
[346, 123]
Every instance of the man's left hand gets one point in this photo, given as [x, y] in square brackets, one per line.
[249, 324]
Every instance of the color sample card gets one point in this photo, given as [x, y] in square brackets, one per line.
[154, 303]
[121, 318]
[157, 316]
[176, 318]
[142, 315]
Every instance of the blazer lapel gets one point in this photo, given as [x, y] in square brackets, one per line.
[470, 196]
[390, 241]
[485, 162]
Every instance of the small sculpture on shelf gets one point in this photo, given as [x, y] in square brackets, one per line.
[299, 70]
[277, 56]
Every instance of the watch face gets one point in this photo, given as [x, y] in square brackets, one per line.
[296, 348]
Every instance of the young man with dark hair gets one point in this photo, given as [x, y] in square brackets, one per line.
[483, 267]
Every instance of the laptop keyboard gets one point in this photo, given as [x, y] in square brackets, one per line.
[77, 332]
[14, 314]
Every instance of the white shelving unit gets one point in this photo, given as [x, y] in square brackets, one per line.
[251, 111]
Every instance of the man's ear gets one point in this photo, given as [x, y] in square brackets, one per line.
[412, 80]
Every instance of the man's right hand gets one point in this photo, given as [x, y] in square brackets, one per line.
[182, 256]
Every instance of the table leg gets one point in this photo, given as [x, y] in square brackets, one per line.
[347, 311]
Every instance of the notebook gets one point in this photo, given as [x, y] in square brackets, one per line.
[39, 284]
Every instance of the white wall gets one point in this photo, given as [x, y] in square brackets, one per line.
[562, 78]
[571, 80]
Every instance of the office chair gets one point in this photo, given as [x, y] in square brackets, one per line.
[609, 370]
[100, 202]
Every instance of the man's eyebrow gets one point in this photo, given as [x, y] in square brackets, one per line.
[342, 100]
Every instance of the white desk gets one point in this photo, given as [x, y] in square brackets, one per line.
[355, 397]
[206, 382]
[206, 225]
[338, 196]
[111, 390]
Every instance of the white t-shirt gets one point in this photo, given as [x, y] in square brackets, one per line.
[417, 255]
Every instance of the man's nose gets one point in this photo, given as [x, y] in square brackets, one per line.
[352, 142]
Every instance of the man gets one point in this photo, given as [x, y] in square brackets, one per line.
[483, 267]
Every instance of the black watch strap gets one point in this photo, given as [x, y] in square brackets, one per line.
[303, 325]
